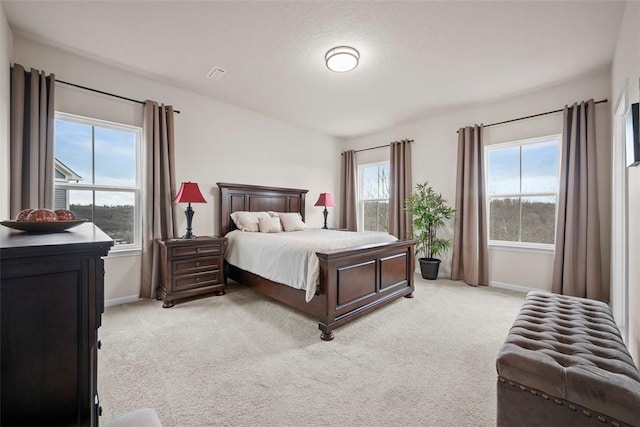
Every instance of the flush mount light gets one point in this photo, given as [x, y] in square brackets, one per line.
[342, 59]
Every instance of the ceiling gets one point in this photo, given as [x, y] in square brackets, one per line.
[417, 58]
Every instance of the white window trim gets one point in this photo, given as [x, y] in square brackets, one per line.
[521, 246]
[116, 250]
[360, 207]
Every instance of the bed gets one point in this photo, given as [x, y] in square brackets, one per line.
[351, 282]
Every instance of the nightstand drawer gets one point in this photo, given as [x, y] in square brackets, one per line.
[195, 265]
[196, 280]
[210, 249]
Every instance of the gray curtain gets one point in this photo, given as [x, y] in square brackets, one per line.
[158, 217]
[577, 268]
[31, 139]
[470, 253]
[399, 189]
[348, 173]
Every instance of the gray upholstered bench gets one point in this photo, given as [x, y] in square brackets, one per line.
[564, 363]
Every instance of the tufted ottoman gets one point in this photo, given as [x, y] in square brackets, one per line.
[564, 364]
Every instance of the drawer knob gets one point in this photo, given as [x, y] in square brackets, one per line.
[197, 279]
[197, 250]
[197, 263]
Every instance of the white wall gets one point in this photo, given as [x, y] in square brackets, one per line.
[215, 142]
[6, 55]
[626, 70]
[435, 149]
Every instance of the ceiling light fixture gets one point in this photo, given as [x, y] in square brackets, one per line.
[342, 59]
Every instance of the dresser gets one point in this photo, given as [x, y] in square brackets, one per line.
[190, 267]
[51, 302]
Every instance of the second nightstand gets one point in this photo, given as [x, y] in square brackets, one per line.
[190, 267]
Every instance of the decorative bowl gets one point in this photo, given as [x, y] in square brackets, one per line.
[43, 226]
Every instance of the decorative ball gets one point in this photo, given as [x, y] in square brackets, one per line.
[65, 215]
[42, 215]
[23, 214]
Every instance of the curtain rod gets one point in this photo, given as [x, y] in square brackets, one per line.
[105, 93]
[535, 115]
[379, 146]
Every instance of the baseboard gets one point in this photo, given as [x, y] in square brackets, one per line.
[512, 287]
[121, 300]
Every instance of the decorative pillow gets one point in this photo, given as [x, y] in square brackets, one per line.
[248, 221]
[269, 225]
[291, 221]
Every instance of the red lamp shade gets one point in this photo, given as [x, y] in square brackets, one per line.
[189, 193]
[325, 199]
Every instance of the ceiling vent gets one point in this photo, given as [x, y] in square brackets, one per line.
[216, 73]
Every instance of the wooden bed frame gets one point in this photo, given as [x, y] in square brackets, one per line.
[352, 282]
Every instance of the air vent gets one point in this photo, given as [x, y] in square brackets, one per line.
[216, 73]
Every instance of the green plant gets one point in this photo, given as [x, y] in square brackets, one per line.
[429, 210]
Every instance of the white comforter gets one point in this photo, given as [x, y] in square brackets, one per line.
[290, 257]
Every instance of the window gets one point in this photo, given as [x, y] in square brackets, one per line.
[97, 175]
[522, 191]
[373, 208]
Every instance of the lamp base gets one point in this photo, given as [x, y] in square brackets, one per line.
[189, 214]
[325, 213]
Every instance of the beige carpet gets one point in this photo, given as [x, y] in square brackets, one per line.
[245, 360]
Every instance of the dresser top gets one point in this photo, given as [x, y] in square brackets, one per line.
[83, 236]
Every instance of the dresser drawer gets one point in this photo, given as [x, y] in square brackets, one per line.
[196, 280]
[193, 250]
[194, 265]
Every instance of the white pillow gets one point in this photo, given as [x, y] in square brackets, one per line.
[248, 221]
[291, 221]
[269, 225]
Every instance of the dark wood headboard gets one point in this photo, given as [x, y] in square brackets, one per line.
[254, 198]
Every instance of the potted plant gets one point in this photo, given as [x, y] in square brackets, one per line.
[429, 210]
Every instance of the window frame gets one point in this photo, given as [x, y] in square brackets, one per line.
[521, 246]
[134, 248]
[360, 207]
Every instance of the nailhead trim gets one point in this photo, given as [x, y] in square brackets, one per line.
[559, 402]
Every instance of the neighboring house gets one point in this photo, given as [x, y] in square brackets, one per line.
[63, 174]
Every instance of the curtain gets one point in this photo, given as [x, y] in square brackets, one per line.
[158, 217]
[470, 254]
[348, 215]
[399, 189]
[31, 139]
[577, 266]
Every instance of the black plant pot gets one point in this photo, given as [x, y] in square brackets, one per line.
[429, 268]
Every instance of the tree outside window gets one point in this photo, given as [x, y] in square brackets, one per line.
[374, 196]
[97, 175]
[522, 189]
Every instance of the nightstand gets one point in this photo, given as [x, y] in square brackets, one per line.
[190, 267]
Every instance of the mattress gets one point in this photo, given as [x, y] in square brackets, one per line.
[290, 257]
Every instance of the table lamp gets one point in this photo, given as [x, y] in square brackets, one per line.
[189, 193]
[325, 199]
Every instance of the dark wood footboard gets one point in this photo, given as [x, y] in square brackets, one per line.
[356, 281]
